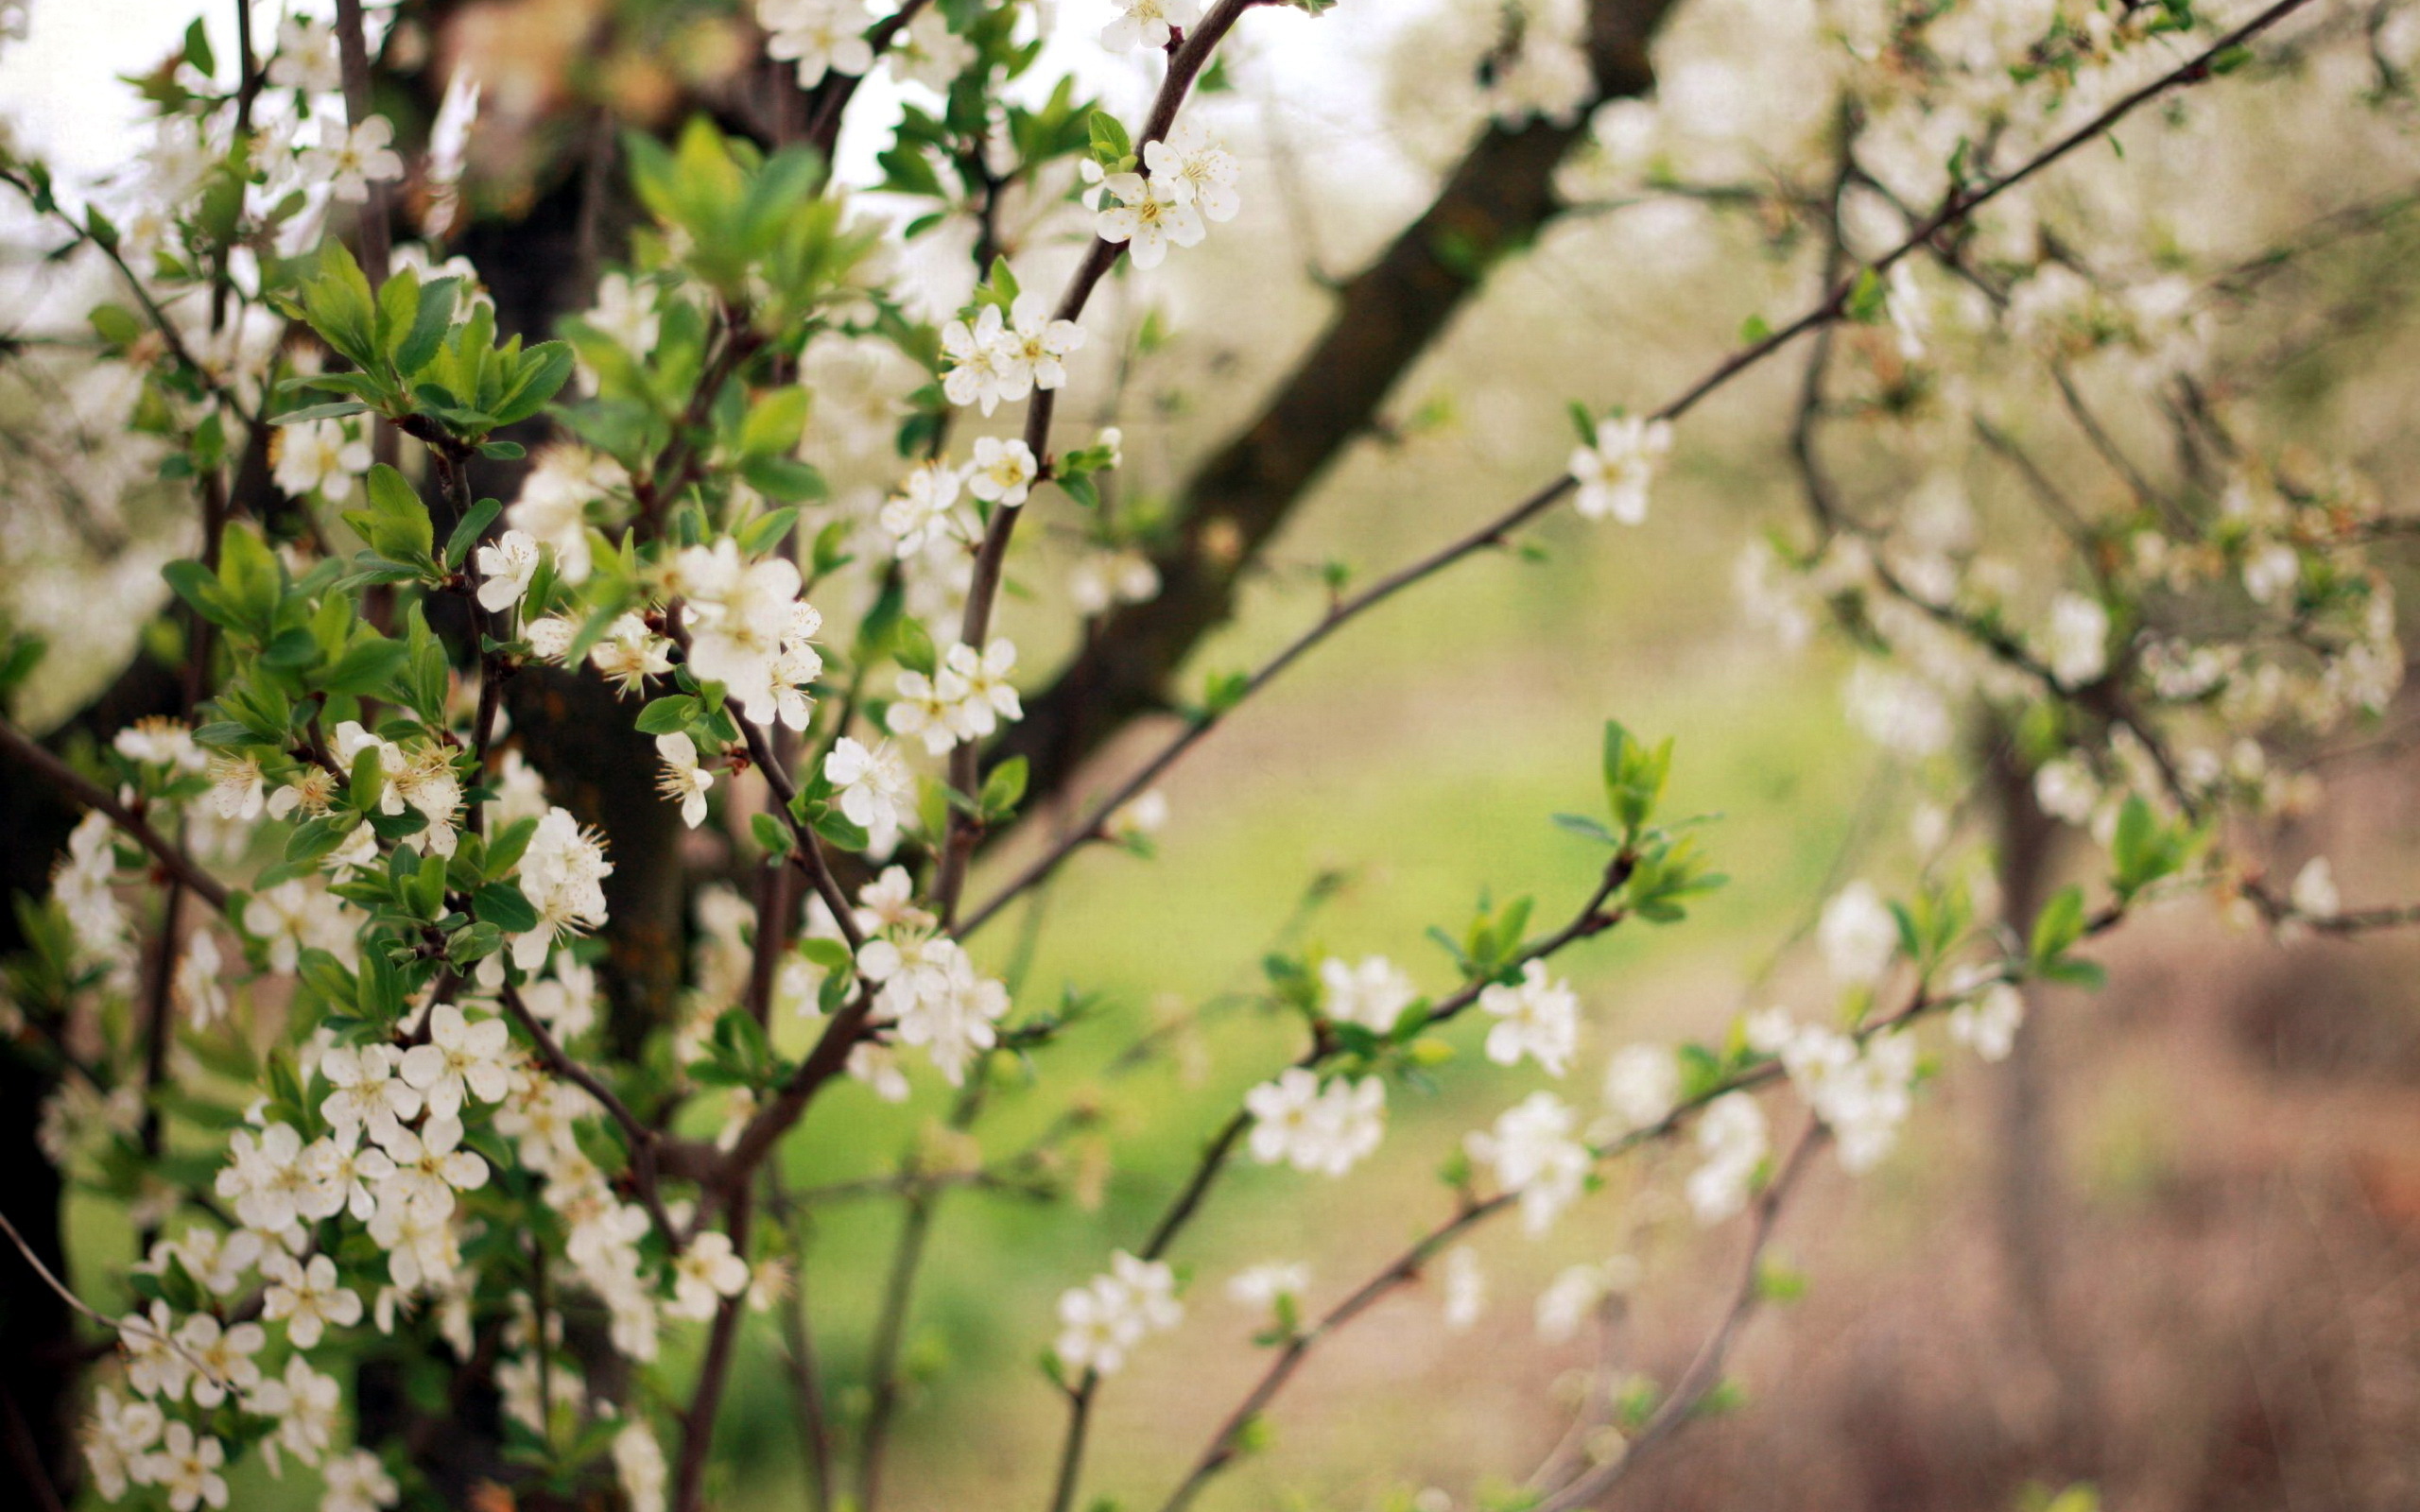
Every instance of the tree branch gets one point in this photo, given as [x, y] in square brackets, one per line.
[1956, 207]
[172, 859]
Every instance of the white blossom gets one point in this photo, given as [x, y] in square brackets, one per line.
[506, 564]
[1615, 474]
[1260, 1286]
[236, 790]
[1465, 1288]
[748, 630]
[928, 52]
[1538, 1017]
[160, 742]
[1732, 1138]
[221, 1355]
[1643, 1085]
[1988, 1022]
[429, 1166]
[683, 778]
[1325, 1130]
[638, 1461]
[2314, 894]
[1147, 216]
[297, 916]
[1196, 170]
[1004, 471]
[562, 874]
[349, 160]
[358, 1482]
[977, 356]
[2271, 572]
[306, 1297]
[322, 456]
[1531, 1150]
[984, 694]
[304, 1404]
[1031, 353]
[703, 1273]
[155, 1367]
[925, 512]
[115, 1438]
[1575, 1292]
[1858, 933]
[876, 792]
[2077, 644]
[364, 1088]
[307, 56]
[1102, 1321]
[820, 36]
[197, 986]
[187, 1468]
[1147, 23]
[2064, 788]
[1373, 994]
[464, 1056]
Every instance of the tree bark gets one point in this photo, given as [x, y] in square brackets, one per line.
[2029, 1206]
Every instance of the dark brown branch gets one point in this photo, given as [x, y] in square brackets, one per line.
[172, 859]
[1188, 57]
[1495, 202]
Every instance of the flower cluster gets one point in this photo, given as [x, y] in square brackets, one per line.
[930, 993]
[1188, 177]
[1099, 1324]
[1325, 1127]
[964, 700]
[1861, 1090]
[749, 631]
[1532, 1150]
[996, 359]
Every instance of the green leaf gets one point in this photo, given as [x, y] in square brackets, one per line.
[764, 532]
[662, 717]
[836, 827]
[774, 423]
[197, 51]
[1003, 789]
[504, 850]
[1111, 144]
[416, 345]
[542, 372]
[467, 530]
[2059, 926]
[399, 523]
[337, 304]
[502, 904]
[334, 409]
[772, 837]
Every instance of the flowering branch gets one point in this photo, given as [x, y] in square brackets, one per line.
[1592, 919]
[1956, 207]
[172, 859]
[1704, 1371]
[1186, 60]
